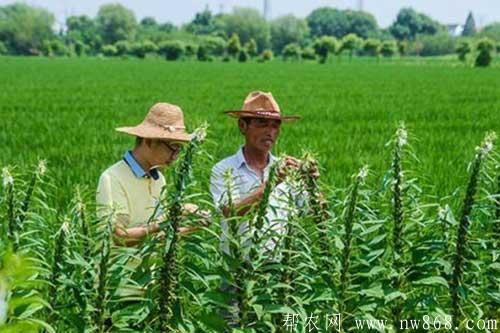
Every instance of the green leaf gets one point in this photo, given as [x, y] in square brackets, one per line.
[432, 281]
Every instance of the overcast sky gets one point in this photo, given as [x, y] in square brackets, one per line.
[181, 11]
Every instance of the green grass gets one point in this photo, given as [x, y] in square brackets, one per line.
[65, 111]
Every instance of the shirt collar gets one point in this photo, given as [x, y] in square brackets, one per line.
[137, 169]
[240, 158]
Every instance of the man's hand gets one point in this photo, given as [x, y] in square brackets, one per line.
[205, 218]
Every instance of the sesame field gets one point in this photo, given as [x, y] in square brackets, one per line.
[409, 170]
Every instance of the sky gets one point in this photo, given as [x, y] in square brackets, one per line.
[182, 11]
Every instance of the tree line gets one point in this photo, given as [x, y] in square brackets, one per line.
[242, 34]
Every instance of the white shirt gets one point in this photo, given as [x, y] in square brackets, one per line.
[245, 181]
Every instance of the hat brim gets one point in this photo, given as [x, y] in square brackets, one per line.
[152, 132]
[250, 114]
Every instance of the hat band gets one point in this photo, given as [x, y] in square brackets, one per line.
[266, 113]
[170, 128]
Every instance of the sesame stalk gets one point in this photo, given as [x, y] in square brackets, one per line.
[463, 228]
[60, 244]
[318, 209]
[398, 217]
[168, 275]
[39, 172]
[8, 184]
[349, 218]
[102, 276]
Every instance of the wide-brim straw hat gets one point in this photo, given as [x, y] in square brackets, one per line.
[164, 121]
[260, 104]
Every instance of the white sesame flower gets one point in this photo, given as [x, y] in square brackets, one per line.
[42, 167]
[363, 173]
[201, 133]
[442, 213]
[487, 145]
[7, 177]
[402, 136]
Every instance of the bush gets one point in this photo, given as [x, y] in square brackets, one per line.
[123, 47]
[80, 48]
[308, 53]
[291, 51]
[202, 54]
[140, 49]
[243, 56]
[463, 49]
[371, 47]
[58, 48]
[171, 50]
[109, 50]
[233, 45]
[440, 44]
[324, 46]
[267, 55]
[484, 47]
[3, 48]
[388, 48]
[215, 46]
[190, 50]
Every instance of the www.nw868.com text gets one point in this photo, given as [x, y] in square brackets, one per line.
[333, 322]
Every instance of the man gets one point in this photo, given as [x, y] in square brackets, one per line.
[131, 188]
[259, 121]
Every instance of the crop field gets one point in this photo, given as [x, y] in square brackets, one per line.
[406, 228]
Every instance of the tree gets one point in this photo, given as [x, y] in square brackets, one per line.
[470, 26]
[24, 28]
[324, 46]
[247, 23]
[484, 47]
[409, 24]
[492, 31]
[463, 49]
[202, 24]
[115, 22]
[371, 47]
[439, 44]
[171, 50]
[190, 50]
[292, 51]
[351, 43]
[251, 48]
[84, 29]
[149, 21]
[233, 45]
[338, 23]
[388, 48]
[286, 30]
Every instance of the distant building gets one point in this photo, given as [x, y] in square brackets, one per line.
[455, 30]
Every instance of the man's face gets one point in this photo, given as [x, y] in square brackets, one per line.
[260, 133]
[162, 152]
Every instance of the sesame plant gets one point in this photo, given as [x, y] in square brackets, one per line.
[383, 248]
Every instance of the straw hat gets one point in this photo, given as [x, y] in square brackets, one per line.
[260, 104]
[163, 121]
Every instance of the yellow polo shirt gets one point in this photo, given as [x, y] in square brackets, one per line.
[128, 194]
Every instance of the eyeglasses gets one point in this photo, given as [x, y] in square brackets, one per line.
[174, 147]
